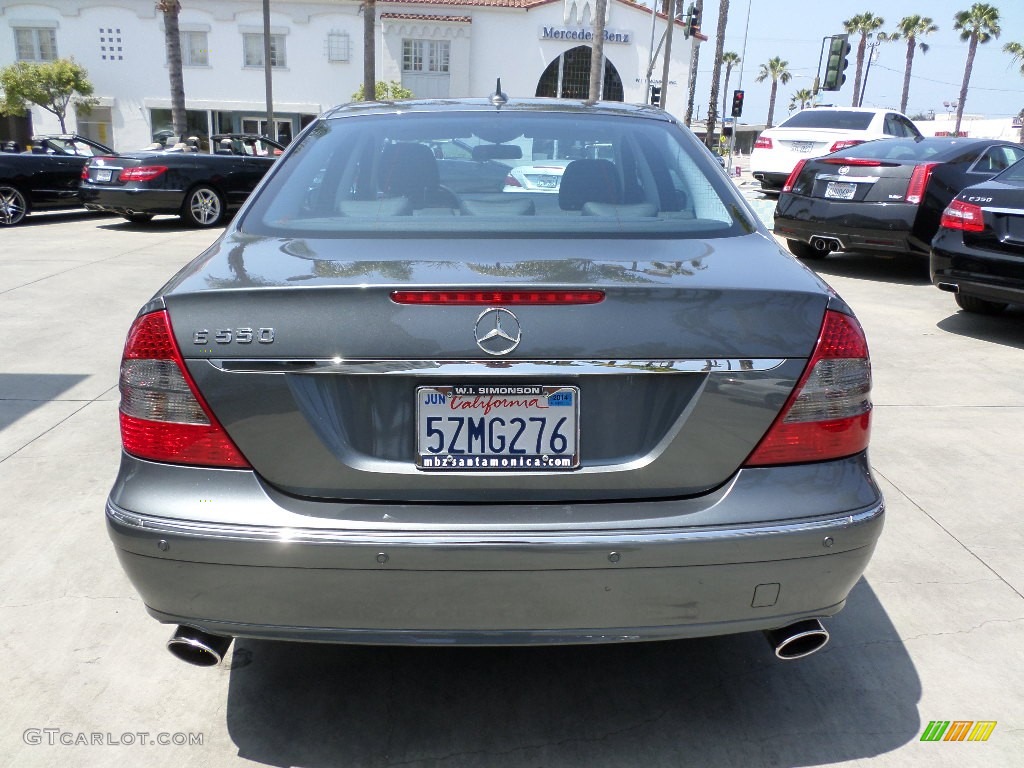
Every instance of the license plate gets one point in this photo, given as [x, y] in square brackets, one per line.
[497, 428]
[840, 190]
[103, 175]
[801, 146]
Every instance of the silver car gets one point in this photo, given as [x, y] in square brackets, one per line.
[377, 411]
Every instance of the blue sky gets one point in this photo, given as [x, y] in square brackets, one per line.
[793, 30]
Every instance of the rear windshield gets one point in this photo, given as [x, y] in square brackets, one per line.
[518, 174]
[813, 118]
[1014, 173]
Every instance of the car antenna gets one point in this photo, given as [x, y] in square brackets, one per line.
[498, 98]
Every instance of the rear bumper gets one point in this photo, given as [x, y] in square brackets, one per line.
[989, 275]
[494, 587]
[857, 226]
[127, 201]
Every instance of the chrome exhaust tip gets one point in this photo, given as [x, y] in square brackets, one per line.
[797, 640]
[949, 287]
[818, 244]
[197, 647]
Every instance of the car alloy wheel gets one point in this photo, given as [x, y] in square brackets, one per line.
[13, 206]
[203, 207]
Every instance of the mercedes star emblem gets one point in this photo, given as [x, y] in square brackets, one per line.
[497, 331]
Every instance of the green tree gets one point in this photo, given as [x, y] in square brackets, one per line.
[863, 24]
[730, 59]
[385, 92]
[911, 29]
[778, 71]
[52, 85]
[801, 99]
[1016, 50]
[171, 9]
[976, 26]
[716, 70]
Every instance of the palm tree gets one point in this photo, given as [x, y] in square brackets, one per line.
[172, 42]
[910, 28]
[776, 69]
[863, 24]
[1016, 50]
[597, 50]
[369, 49]
[716, 71]
[978, 25]
[801, 99]
[730, 59]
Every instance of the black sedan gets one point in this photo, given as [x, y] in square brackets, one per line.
[199, 187]
[978, 253]
[45, 177]
[883, 196]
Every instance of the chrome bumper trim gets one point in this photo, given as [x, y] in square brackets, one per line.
[189, 528]
[533, 368]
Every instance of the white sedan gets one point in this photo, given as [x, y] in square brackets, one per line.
[818, 131]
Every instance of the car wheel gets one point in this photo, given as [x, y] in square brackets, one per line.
[978, 306]
[203, 207]
[13, 205]
[139, 218]
[803, 250]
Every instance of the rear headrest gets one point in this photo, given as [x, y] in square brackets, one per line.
[408, 169]
[589, 181]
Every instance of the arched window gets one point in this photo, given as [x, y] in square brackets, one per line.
[568, 77]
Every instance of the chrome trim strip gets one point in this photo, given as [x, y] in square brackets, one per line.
[853, 179]
[533, 368]
[190, 528]
[1004, 211]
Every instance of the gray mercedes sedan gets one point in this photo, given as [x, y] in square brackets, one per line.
[382, 410]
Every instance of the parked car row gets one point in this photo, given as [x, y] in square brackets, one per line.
[960, 200]
[70, 171]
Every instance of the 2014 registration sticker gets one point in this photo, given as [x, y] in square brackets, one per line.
[516, 427]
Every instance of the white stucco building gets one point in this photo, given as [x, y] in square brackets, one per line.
[436, 48]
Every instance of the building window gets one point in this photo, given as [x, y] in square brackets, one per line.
[425, 55]
[254, 50]
[36, 44]
[111, 48]
[337, 46]
[195, 49]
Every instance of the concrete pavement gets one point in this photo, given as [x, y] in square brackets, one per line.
[933, 632]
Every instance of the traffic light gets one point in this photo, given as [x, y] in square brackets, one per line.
[693, 25]
[838, 50]
[656, 95]
[737, 103]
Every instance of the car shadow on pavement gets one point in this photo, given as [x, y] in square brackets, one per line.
[1006, 328]
[907, 269]
[22, 393]
[42, 218]
[712, 702]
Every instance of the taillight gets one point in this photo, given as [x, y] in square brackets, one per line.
[141, 173]
[791, 181]
[828, 415]
[919, 182]
[844, 143]
[512, 181]
[85, 172]
[966, 217]
[763, 142]
[488, 298]
[163, 416]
